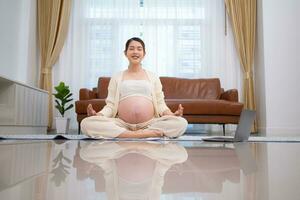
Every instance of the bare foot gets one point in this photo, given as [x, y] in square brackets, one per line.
[141, 134]
[179, 111]
[150, 133]
[90, 111]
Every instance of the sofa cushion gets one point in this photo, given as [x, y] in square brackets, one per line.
[205, 106]
[182, 88]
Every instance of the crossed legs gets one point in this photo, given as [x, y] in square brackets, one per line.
[103, 127]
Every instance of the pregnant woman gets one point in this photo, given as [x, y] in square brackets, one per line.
[135, 106]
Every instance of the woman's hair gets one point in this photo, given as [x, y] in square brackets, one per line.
[137, 40]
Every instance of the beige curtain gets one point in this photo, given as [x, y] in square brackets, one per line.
[242, 14]
[53, 22]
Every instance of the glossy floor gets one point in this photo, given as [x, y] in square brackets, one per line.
[55, 170]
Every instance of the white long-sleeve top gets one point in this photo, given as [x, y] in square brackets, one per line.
[113, 96]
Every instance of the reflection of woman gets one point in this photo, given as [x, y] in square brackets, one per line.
[134, 170]
[135, 105]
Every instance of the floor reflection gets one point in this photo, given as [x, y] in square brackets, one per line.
[133, 170]
[39, 170]
[208, 168]
[60, 168]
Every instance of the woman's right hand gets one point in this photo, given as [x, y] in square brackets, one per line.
[90, 111]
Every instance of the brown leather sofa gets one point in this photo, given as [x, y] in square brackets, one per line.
[204, 101]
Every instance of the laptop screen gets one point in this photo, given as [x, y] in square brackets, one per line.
[244, 127]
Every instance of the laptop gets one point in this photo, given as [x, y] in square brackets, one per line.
[242, 132]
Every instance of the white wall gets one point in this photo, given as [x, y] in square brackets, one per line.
[18, 33]
[277, 67]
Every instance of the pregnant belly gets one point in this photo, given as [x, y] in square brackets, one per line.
[135, 110]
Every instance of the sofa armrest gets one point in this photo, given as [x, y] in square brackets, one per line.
[86, 94]
[230, 95]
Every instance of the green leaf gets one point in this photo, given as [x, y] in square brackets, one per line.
[62, 97]
[69, 107]
[60, 109]
[69, 100]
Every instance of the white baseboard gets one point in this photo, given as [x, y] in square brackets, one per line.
[279, 131]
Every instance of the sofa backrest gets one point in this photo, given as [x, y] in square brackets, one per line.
[183, 88]
[102, 87]
[178, 88]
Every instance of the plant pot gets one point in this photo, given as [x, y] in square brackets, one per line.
[62, 124]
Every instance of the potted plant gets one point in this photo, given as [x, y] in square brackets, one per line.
[63, 96]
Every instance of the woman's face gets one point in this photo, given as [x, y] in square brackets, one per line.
[135, 52]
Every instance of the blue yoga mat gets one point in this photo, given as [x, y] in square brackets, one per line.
[181, 138]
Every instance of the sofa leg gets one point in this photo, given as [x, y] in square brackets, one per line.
[223, 129]
[79, 128]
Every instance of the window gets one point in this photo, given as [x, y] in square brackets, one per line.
[171, 31]
[184, 38]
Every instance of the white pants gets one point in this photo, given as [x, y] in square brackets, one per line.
[104, 127]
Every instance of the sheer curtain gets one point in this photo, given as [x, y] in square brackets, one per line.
[184, 38]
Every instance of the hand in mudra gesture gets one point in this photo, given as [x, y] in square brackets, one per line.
[90, 111]
[179, 111]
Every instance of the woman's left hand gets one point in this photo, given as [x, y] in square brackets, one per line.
[179, 111]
